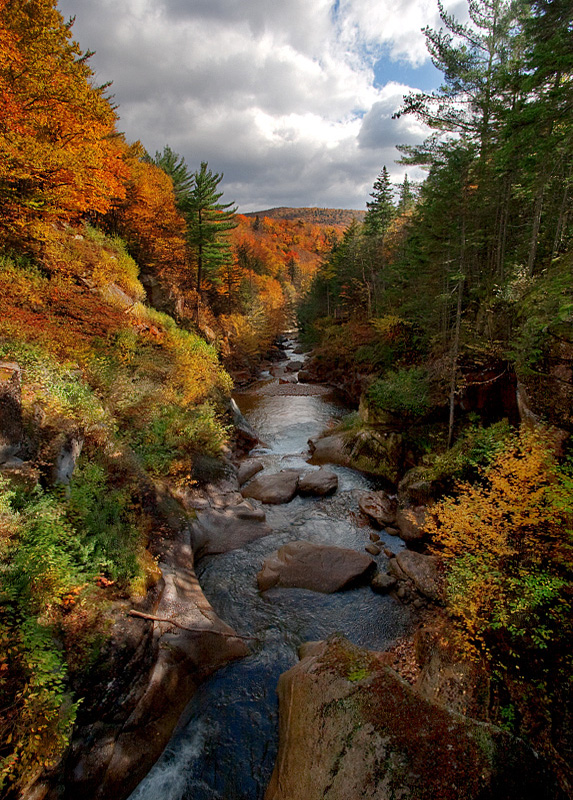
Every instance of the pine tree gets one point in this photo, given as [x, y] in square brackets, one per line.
[381, 211]
[208, 223]
[406, 199]
[174, 165]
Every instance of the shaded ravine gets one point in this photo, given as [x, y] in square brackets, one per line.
[226, 743]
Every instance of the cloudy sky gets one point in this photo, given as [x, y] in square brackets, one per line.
[291, 99]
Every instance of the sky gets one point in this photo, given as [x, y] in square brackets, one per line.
[292, 100]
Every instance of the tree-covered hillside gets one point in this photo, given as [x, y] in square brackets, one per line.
[449, 315]
[121, 294]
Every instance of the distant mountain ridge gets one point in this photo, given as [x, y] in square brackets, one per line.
[339, 217]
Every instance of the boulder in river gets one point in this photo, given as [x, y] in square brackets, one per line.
[423, 571]
[410, 522]
[274, 489]
[247, 469]
[221, 530]
[319, 567]
[351, 727]
[379, 507]
[319, 483]
[294, 366]
[382, 583]
[329, 450]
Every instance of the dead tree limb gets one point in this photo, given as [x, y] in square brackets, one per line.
[153, 618]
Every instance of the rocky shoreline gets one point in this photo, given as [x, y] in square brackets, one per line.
[160, 651]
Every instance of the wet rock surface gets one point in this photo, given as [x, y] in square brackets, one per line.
[318, 484]
[423, 570]
[329, 450]
[410, 523]
[118, 738]
[379, 507]
[274, 489]
[247, 469]
[220, 530]
[321, 568]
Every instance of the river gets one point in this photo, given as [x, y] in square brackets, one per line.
[226, 743]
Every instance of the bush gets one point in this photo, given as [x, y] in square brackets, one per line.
[405, 392]
[507, 541]
[40, 563]
[474, 450]
[173, 436]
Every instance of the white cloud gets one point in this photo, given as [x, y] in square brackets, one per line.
[279, 96]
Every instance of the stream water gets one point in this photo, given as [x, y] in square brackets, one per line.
[226, 743]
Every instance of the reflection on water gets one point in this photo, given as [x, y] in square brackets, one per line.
[226, 749]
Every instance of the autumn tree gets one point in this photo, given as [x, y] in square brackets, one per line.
[149, 221]
[60, 157]
[174, 165]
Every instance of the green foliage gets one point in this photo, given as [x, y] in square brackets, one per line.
[381, 209]
[208, 223]
[40, 560]
[58, 387]
[403, 392]
[474, 450]
[173, 437]
[105, 519]
[545, 314]
[51, 549]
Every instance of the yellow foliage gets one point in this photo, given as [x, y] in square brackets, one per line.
[507, 542]
[510, 514]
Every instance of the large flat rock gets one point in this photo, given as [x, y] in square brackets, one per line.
[221, 530]
[247, 469]
[319, 483]
[321, 568]
[273, 489]
[351, 728]
[329, 450]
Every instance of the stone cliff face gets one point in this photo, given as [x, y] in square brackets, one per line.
[148, 672]
[125, 732]
[351, 727]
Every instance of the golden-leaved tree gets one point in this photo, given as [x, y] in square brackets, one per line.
[507, 541]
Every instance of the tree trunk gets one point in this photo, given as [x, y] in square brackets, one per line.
[537, 209]
[457, 328]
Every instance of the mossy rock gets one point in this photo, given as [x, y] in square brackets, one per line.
[351, 727]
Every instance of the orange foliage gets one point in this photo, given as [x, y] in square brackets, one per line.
[59, 153]
[149, 221]
[291, 250]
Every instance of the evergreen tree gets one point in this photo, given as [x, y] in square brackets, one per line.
[406, 199]
[209, 222]
[381, 210]
[174, 165]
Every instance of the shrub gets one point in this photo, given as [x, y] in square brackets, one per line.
[508, 543]
[405, 392]
[474, 450]
[39, 565]
[173, 436]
